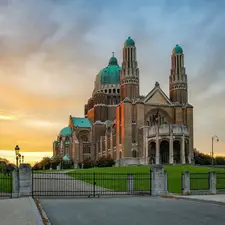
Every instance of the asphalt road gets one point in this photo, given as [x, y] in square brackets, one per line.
[132, 211]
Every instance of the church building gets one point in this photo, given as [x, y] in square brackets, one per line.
[132, 128]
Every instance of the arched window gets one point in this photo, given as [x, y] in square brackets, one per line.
[134, 154]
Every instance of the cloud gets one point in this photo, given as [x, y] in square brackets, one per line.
[51, 51]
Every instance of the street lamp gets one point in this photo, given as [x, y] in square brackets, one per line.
[17, 150]
[217, 139]
[20, 156]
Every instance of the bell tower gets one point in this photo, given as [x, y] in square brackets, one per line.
[129, 75]
[178, 78]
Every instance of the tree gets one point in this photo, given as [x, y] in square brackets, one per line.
[3, 164]
[205, 159]
[105, 161]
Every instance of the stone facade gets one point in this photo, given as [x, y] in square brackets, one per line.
[134, 129]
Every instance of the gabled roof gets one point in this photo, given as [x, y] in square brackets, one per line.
[81, 122]
[157, 96]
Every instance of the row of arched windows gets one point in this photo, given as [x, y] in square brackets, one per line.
[151, 121]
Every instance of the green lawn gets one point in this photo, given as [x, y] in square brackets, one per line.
[220, 180]
[116, 178]
[5, 183]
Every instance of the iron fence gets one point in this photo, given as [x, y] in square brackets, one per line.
[90, 184]
[5, 184]
[220, 181]
[199, 181]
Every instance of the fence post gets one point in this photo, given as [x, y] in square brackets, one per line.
[158, 181]
[185, 183]
[130, 183]
[15, 183]
[212, 182]
[94, 182]
[25, 180]
[166, 180]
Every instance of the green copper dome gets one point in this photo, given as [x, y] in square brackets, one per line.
[129, 42]
[113, 61]
[177, 50]
[66, 158]
[66, 131]
[111, 73]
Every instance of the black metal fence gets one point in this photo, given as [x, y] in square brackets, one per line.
[5, 184]
[199, 181]
[90, 184]
[220, 181]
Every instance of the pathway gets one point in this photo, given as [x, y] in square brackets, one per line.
[19, 211]
[60, 184]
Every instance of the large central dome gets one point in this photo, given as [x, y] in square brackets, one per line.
[111, 73]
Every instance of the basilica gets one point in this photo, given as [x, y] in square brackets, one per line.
[133, 129]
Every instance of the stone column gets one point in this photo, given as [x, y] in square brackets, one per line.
[183, 150]
[111, 144]
[190, 149]
[25, 180]
[143, 152]
[146, 140]
[186, 183]
[101, 146]
[15, 187]
[171, 149]
[157, 149]
[106, 145]
[158, 181]
[212, 182]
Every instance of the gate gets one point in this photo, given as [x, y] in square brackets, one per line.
[90, 184]
[199, 181]
[220, 181]
[6, 184]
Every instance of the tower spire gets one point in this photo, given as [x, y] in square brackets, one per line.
[113, 54]
[129, 76]
[178, 77]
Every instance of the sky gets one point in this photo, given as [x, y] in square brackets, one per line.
[51, 51]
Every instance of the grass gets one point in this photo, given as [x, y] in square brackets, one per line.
[5, 183]
[220, 180]
[115, 178]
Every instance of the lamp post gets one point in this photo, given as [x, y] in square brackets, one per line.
[20, 158]
[217, 139]
[17, 150]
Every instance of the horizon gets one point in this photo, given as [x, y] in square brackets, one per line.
[48, 63]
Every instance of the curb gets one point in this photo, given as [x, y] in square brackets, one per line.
[195, 200]
[203, 200]
[41, 213]
[38, 218]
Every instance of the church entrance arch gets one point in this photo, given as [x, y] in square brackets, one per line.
[176, 151]
[164, 152]
[151, 152]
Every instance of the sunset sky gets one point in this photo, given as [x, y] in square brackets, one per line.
[51, 51]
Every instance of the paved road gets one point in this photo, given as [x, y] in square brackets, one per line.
[132, 211]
